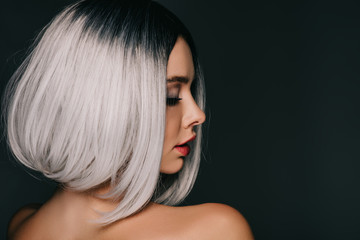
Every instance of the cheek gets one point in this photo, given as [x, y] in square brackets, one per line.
[172, 127]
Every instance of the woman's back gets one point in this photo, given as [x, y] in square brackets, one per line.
[66, 216]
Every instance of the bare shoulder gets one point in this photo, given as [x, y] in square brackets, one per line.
[210, 221]
[20, 217]
[220, 221]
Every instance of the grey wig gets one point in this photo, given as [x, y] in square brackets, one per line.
[88, 104]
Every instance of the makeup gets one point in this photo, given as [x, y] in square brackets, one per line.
[183, 149]
[172, 95]
[189, 140]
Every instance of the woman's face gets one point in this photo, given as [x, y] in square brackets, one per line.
[182, 112]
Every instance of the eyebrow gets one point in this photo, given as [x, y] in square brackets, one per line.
[178, 79]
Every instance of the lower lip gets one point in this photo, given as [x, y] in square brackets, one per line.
[183, 149]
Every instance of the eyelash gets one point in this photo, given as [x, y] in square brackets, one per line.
[172, 101]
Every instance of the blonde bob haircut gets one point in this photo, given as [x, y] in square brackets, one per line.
[87, 106]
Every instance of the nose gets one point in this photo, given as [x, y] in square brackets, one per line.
[193, 115]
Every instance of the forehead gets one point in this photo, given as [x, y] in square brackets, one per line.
[180, 62]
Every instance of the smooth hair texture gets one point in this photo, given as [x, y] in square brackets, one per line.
[88, 104]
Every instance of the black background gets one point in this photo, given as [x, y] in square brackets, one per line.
[282, 126]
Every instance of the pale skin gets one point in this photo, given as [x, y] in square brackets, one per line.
[66, 214]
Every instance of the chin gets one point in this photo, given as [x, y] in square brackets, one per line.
[173, 167]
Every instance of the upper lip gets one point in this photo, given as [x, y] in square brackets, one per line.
[190, 139]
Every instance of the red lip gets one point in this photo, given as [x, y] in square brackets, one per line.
[184, 150]
[191, 139]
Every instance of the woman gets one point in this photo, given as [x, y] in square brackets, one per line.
[109, 104]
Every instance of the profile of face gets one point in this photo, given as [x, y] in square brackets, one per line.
[182, 112]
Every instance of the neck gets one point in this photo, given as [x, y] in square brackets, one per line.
[88, 201]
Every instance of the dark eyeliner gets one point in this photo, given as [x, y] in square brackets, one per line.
[172, 95]
[172, 101]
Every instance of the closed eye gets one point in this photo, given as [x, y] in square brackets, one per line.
[172, 101]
